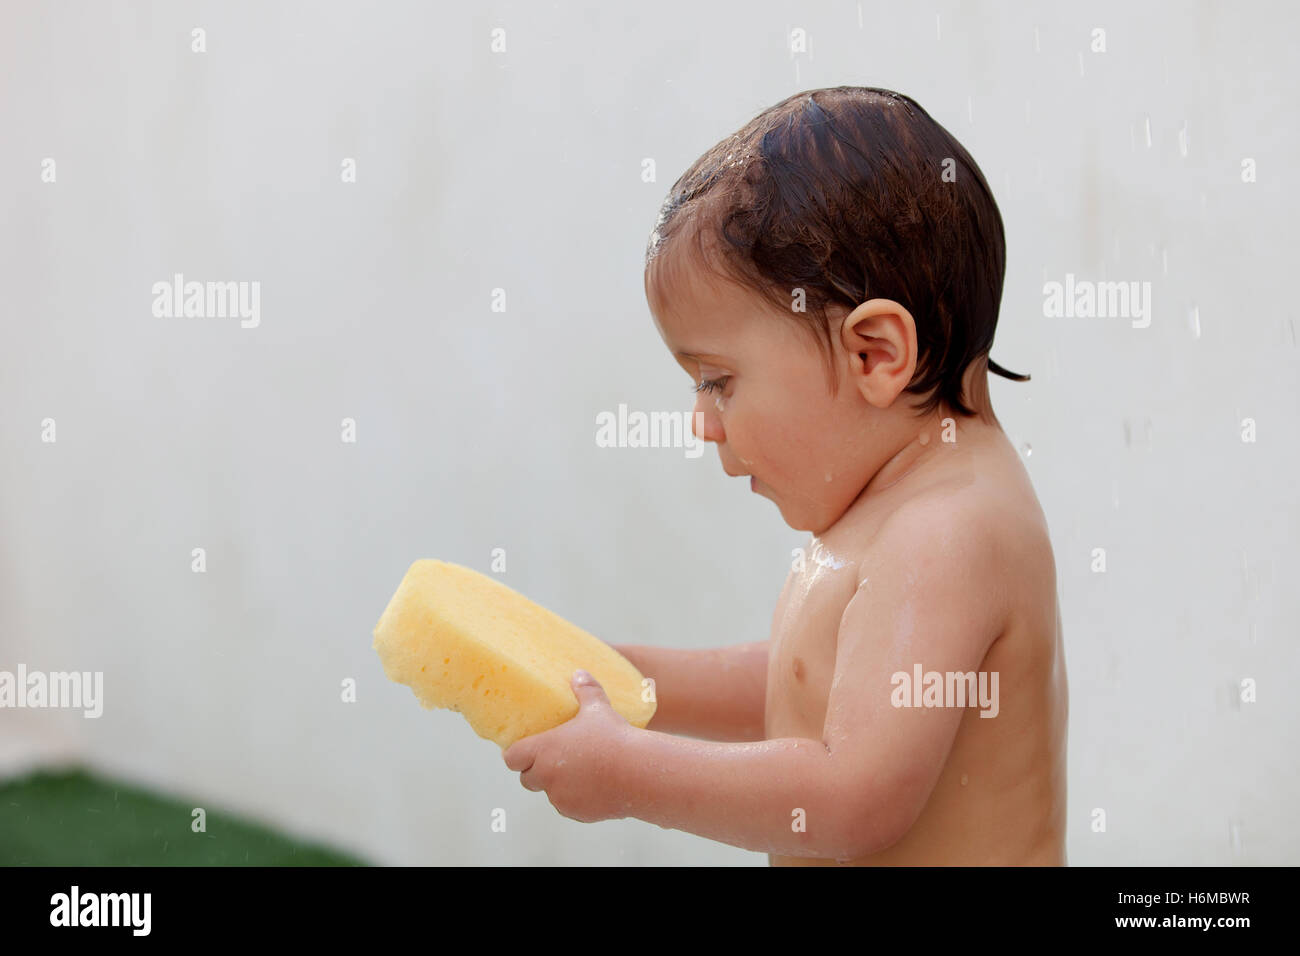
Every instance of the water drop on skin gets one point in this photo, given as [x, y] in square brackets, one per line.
[718, 403]
[823, 557]
[924, 438]
[828, 476]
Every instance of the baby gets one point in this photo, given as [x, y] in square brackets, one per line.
[830, 278]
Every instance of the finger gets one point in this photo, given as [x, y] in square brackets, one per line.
[588, 690]
[521, 754]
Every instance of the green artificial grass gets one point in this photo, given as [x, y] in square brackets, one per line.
[72, 818]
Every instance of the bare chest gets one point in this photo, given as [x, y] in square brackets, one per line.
[805, 628]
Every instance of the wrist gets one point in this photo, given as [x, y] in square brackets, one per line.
[624, 781]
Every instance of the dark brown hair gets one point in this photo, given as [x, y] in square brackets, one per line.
[841, 192]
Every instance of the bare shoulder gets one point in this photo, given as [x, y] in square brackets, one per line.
[965, 519]
[990, 497]
[990, 534]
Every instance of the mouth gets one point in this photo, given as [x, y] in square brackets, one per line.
[753, 482]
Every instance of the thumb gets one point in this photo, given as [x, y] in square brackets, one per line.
[588, 689]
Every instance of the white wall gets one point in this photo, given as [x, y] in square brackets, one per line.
[475, 428]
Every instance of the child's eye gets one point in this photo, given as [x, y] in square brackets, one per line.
[710, 384]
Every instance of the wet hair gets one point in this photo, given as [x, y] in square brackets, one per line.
[842, 192]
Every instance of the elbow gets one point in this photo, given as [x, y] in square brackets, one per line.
[878, 821]
[867, 836]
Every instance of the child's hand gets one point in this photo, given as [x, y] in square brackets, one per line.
[572, 762]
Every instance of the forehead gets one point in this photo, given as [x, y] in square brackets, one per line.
[695, 309]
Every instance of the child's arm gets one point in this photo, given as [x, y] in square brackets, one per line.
[716, 694]
[933, 595]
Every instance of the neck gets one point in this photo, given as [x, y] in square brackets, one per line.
[920, 445]
[922, 437]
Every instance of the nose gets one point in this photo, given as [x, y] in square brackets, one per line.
[705, 423]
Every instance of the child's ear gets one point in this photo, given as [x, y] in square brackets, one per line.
[881, 335]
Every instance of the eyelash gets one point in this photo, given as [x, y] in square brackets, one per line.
[709, 384]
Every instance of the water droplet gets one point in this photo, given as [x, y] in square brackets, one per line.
[964, 779]
[828, 476]
[1025, 447]
[924, 438]
[1234, 836]
[1194, 320]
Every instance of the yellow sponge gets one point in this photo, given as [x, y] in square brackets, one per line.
[466, 642]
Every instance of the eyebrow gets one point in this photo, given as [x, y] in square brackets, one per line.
[701, 355]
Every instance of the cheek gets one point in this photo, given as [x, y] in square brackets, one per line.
[811, 456]
[797, 435]
[781, 430]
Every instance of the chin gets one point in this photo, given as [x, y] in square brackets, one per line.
[796, 520]
[813, 522]
[799, 520]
